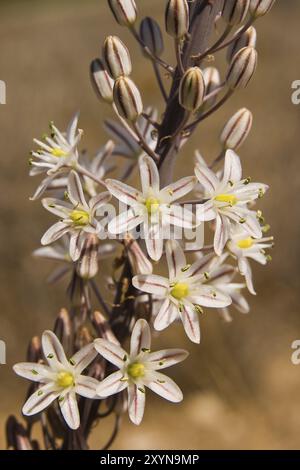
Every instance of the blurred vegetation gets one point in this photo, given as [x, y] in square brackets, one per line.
[241, 390]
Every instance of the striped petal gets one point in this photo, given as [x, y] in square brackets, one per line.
[125, 222]
[72, 128]
[178, 216]
[33, 371]
[208, 296]
[75, 190]
[40, 400]
[179, 189]
[166, 358]
[123, 192]
[54, 233]
[53, 350]
[167, 314]
[165, 387]
[175, 258]
[86, 386]
[136, 404]
[77, 240]
[69, 409]
[111, 385]
[221, 233]
[154, 240]
[140, 337]
[98, 201]
[111, 352]
[83, 357]
[232, 168]
[207, 178]
[206, 212]
[149, 175]
[152, 284]
[190, 321]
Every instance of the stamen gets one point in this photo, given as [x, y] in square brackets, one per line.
[180, 291]
[245, 243]
[230, 199]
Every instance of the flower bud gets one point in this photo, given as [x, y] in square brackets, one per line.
[127, 99]
[151, 36]
[16, 435]
[260, 7]
[177, 18]
[101, 81]
[242, 68]
[247, 39]
[212, 81]
[103, 328]
[124, 11]
[87, 266]
[63, 328]
[34, 351]
[192, 89]
[116, 57]
[235, 11]
[237, 129]
[138, 260]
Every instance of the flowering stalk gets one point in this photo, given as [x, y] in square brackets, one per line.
[75, 383]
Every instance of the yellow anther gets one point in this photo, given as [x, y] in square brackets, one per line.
[65, 379]
[180, 290]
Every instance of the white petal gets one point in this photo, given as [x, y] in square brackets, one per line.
[111, 352]
[178, 216]
[123, 192]
[53, 350]
[76, 244]
[232, 167]
[166, 358]
[57, 207]
[136, 404]
[207, 178]
[154, 241]
[140, 337]
[55, 232]
[51, 253]
[86, 386]
[245, 270]
[125, 222]
[151, 283]
[75, 190]
[83, 357]
[111, 385]
[167, 314]
[209, 296]
[179, 189]
[190, 321]
[149, 175]
[69, 409]
[72, 127]
[206, 212]
[33, 371]
[165, 387]
[98, 201]
[221, 234]
[175, 258]
[200, 266]
[40, 400]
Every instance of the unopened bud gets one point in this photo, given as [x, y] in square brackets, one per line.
[260, 7]
[16, 435]
[235, 11]
[237, 129]
[138, 260]
[117, 57]
[151, 36]
[127, 99]
[102, 82]
[124, 11]
[192, 89]
[84, 338]
[103, 328]
[242, 68]
[63, 328]
[247, 39]
[177, 18]
[34, 351]
[87, 266]
[212, 81]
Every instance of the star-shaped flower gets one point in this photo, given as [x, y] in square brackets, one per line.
[244, 247]
[228, 200]
[78, 218]
[185, 291]
[138, 370]
[61, 379]
[153, 208]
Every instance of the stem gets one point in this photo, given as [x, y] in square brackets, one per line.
[179, 57]
[159, 80]
[99, 297]
[215, 92]
[114, 433]
[144, 144]
[236, 36]
[83, 171]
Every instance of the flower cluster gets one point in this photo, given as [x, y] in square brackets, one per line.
[155, 222]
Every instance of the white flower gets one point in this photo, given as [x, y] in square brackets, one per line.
[242, 247]
[184, 292]
[61, 379]
[228, 200]
[55, 154]
[78, 218]
[152, 207]
[138, 370]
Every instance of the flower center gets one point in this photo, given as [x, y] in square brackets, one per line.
[180, 290]
[229, 198]
[136, 370]
[246, 243]
[57, 152]
[80, 217]
[65, 379]
[152, 205]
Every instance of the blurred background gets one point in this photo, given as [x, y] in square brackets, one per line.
[241, 389]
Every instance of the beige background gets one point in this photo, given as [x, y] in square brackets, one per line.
[241, 390]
